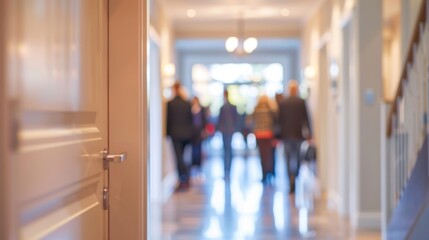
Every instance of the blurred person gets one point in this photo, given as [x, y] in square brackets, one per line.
[210, 131]
[179, 128]
[199, 121]
[295, 127]
[263, 119]
[279, 97]
[227, 123]
[245, 130]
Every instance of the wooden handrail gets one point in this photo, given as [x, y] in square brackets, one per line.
[410, 55]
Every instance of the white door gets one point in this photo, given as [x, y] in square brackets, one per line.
[57, 86]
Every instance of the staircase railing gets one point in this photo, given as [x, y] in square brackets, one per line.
[408, 118]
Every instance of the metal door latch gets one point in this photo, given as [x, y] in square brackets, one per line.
[105, 198]
[108, 158]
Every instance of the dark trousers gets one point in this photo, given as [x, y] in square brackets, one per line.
[227, 147]
[293, 161]
[197, 153]
[182, 169]
[266, 153]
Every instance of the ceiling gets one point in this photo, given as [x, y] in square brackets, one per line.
[263, 17]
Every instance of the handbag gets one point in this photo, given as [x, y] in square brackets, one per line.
[308, 152]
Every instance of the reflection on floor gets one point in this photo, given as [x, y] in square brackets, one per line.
[243, 208]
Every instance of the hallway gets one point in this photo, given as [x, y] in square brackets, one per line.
[243, 208]
[84, 91]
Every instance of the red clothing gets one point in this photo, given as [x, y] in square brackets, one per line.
[264, 134]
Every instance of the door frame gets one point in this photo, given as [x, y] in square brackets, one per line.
[345, 146]
[7, 216]
[155, 131]
[155, 134]
[4, 202]
[128, 122]
[322, 125]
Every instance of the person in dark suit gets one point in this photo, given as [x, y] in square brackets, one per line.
[295, 127]
[227, 125]
[180, 129]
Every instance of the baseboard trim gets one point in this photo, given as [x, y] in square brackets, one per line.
[168, 184]
[369, 221]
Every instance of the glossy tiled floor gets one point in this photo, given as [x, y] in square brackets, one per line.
[243, 208]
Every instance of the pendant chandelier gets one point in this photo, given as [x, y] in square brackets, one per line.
[238, 44]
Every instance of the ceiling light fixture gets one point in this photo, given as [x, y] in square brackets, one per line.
[238, 44]
[191, 13]
[309, 72]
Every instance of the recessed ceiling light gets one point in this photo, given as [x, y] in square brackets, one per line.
[285, 12]
[191, 13]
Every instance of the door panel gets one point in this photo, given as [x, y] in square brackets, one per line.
[57, 73]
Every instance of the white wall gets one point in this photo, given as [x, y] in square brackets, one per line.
[409, 12]
[392, 65]
[162, 29]
[369, 49]
[398, 43]
[322, 41]
[348, 159]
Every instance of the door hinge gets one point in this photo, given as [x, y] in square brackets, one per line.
[106, 198]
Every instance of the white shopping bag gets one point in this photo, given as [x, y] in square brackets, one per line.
[306, 188]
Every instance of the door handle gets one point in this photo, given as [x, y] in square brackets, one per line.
[115, 158]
